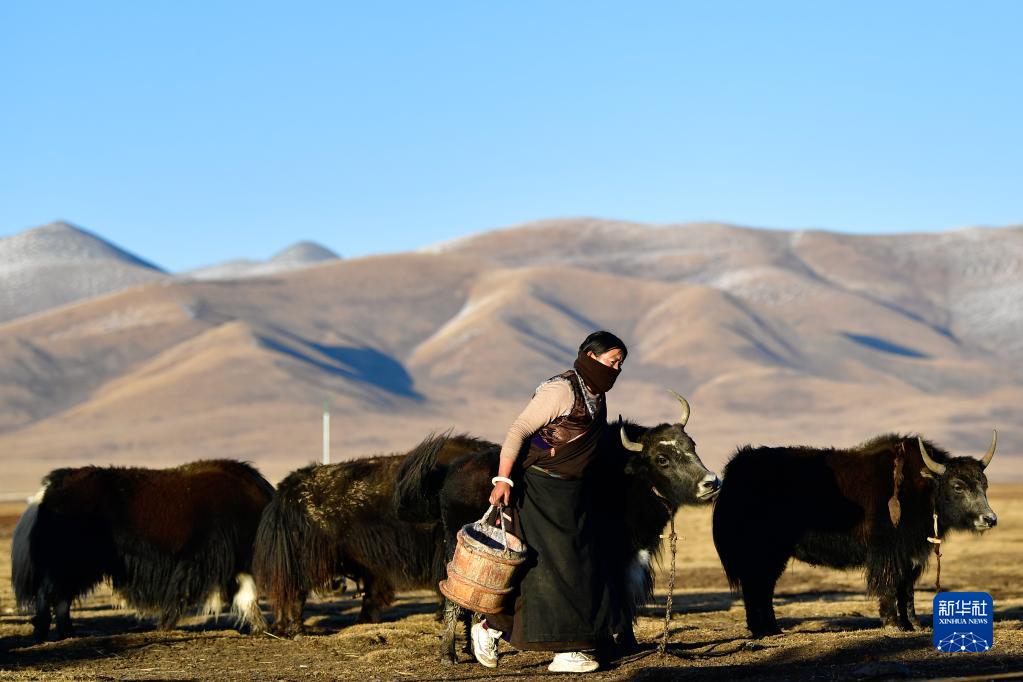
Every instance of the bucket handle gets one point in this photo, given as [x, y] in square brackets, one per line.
[500, 518]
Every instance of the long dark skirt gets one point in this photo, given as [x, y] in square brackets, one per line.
[563, 603]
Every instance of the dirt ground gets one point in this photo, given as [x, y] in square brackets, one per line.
[831, 630]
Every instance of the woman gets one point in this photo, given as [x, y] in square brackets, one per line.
[547, 472]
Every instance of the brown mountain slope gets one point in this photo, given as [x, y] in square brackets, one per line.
[775, 337]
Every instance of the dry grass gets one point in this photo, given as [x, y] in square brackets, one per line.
[831, 629]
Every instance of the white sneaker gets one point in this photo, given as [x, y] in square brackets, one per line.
[484, 645]
[573, 662]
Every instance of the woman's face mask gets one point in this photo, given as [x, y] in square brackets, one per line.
[600, 371]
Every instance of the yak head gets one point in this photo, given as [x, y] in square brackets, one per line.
[666, 456]
[961, 495]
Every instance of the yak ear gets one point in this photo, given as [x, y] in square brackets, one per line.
[926, 473]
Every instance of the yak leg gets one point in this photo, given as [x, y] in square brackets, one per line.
[888, 580]
[379, 593]
[41, 620]
[441, 608]
[169, 617]
[62, 610]
[468, 618]
[621, 635]
[907, 602]
[758, 595]
[288, 617]
[296, 623]
[623, 609]
[281, 622]
[282, 619]
[452, 614]
[625, 638]
[889, 611]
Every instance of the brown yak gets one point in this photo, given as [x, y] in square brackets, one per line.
[167, 539]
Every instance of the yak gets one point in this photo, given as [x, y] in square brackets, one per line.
[337, 520]
[873, 506]
[649, 473]
[166, 539]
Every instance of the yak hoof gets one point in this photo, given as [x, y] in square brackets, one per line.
[287, 630]
[372, 616]
[760, 633]
[40, 628]
[625, 642]
[167, 622]
[448, 659]
[899, 626]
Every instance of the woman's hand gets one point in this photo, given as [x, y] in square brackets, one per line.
[501, 494]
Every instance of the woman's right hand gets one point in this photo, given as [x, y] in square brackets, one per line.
[501, 494]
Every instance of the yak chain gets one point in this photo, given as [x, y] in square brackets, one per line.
[662, 648]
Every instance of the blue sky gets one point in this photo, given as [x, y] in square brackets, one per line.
[194, 132]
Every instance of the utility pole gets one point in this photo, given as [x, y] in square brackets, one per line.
[326, 433]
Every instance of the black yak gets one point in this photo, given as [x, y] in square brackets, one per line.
[648, 474]
[337, 520]
[167, 539]
[836, 508]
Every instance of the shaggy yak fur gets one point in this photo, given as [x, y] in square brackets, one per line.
[830, 507]
[167, 539]
[337, 520]
[642, 490]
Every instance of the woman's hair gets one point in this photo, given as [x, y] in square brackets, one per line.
[601, 342]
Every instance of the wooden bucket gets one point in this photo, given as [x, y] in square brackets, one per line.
[482, 569]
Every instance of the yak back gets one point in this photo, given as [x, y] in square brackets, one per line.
[423, 472]
[332, 495]
[165, 508]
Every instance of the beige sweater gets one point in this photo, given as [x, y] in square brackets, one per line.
[552, 400]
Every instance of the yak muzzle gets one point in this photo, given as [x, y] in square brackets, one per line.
[708, 487]
[986, 521]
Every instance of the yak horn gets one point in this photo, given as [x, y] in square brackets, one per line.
[684, 419]
[991, 450]
[628, 444]
[937, 468]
